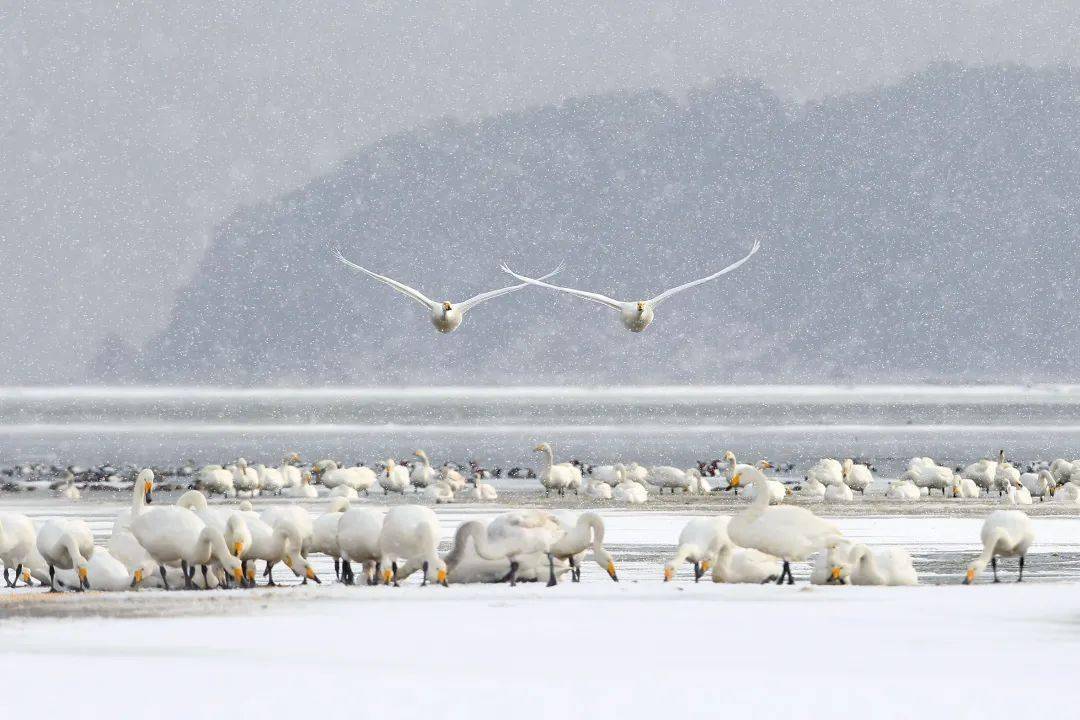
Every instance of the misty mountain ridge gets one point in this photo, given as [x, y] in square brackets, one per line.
[921, 231]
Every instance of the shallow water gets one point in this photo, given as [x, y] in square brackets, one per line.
[499, 426]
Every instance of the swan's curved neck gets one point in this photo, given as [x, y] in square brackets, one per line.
[990, 547]
[74, 553]
[549, 454]
[424, 459]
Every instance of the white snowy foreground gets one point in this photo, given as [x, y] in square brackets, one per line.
[639, 648]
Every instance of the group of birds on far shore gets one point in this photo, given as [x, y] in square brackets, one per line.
[446, 316]
[828, 479]
[193, 545]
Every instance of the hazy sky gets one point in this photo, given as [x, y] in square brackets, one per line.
[128, 130]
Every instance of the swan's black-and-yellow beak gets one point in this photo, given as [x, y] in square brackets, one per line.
[835, 575]
[238, 549]
[669, 572]
[388, 577]
[147, 490]
[736, 481]
[446, 306]
[641, 307]
[137, 578]
[441, 577]
[310, 574]
[611, 572]
[970, 577]
[84, 577]
[26, 576]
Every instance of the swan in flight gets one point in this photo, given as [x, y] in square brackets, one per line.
[635, 315]
[445, 315]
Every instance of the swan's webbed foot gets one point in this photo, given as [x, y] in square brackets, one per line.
[511, 577]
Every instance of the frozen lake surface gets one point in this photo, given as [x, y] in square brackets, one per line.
[635, 648]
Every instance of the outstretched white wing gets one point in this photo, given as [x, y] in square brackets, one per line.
[675, 290]
[595, 297]
[475, 300]
[400, 287]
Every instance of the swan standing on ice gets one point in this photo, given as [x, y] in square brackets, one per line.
[103, 572]
[903, 490]
[281, 542]
[411, 533]
[580, 534]
[176, 535]
[982, 473]
[445, 316]
[630, 492]
[699, 542]
[422, 474]
[636, 316]
[270, 479]
[857, 477]
[465, 565]
[1040, 485]
[736, 565]
[395, 478]
[787, 532]
[68, 545]
[511, 536]
[1067, 494]
[358, 542]
[665, 476]
[1005, 533]
[17, 539]
[1061, 470]
[324, 535]
[926, 473]
[826, 471]
[215, 479]
[556, 476]
[439, 492]
[1006, 475]
[1016, 493]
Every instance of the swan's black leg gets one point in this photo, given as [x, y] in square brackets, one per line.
[184, 570]
[511, 577]
[269, 573]
[206, 581]
[6, 581]
[551, 571]
[697, 571]
[393, 569]
[52, 579]
[993, 564]
[346, 572]
[1021, 578]
[573, 570]
[378, 574]
[164, 580]
[18, 573]
[337, 568]
[783, 571]
[423, 583]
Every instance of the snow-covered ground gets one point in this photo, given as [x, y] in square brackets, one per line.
[638, 648]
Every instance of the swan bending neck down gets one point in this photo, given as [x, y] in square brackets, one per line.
[587, 531]
[1005, 533]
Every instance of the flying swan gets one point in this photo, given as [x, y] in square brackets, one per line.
[445, 315]
[637, 315]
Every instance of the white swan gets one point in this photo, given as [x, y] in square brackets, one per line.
[395, 478]
[245, 479]
[597, 490]
[410, 533]
[439, 492]
[464, 564]
[579, 534]
[859, 565]
[1040, 484]
[925, 473]
[963, 487]
[103, 573]
[812, 487]
[290, 473]
[1061, 469]
[630, 492]
[358, 542]
[453, 478]
[324, 535]
[857, 477]
[295, 514]
[1006, 475]
[981, 472]
[1016, 493]
[176, 535]
[216, 480]
[838, 491]
[1005, 533]
[903, 490]
[512, 535]
[826, 471]
[304, 489]
[232, 524]
[1067, 494]
[344, 492]
[282, 541]
[17, 539]
[556, 476]
[270, 479]
[734, 565]
[636, 316]
[66, 544]
[445, 316]
[665, 476]
[755, 481]
[606, 473]
[787, 532]
[699, 541]
[422, 474]
[484, 491]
